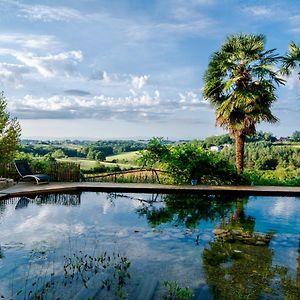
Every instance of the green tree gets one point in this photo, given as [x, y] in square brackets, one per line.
[59, 153]
[291, 60]
[10, 132]
[240, 84]
[296, 136]
[155, 153]
[186, 161]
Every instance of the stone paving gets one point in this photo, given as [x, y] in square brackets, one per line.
[5, 183]
[29, 188]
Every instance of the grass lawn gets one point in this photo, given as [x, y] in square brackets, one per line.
[87, 164]
[129, 157]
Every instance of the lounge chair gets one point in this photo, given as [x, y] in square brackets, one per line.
[25, 172]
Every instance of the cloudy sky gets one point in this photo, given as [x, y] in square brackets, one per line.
[130, 68]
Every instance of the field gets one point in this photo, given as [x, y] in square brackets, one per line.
[124, 161]
[85, 164]
[127, 157]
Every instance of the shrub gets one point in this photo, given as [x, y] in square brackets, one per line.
[188, 161]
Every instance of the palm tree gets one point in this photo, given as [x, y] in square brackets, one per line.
[291, 60]
[240, 83]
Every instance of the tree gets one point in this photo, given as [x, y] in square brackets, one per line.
[10, 132]
[59, 153]
[295, 136]
[240, 83]
[291, 60]
[186, 161]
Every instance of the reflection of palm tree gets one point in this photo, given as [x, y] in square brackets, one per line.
[238, 271]
[239, 218]
[235, 269]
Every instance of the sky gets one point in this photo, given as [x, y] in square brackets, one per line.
[119, 69]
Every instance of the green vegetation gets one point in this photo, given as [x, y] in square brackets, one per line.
[81, 149]
[81, 275]
[267, 160]
[291, 60]
[175, 292]
[296, 136]
[125, 158]
[10, 132]
[93, 157]
[188, 161]
[269, 163]
[240, 84]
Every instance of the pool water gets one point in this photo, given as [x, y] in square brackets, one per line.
[144, 246]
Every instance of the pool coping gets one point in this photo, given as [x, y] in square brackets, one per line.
[26, 188]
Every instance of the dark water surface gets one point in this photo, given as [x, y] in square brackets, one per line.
[108, 246]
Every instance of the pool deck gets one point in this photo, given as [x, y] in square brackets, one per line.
[26, 188]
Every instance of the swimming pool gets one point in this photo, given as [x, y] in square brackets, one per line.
[149, 246]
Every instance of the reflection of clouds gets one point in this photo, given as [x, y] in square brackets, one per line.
[278, 214]
[39, 222]
[285, 208]
[33, 222]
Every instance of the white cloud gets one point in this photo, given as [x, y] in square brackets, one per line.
[198, 27]
[36, 12]
[292, 82]
[51, 104]
[105, 78]
[50, 65]
[138, 82]
[170, 29]
[31, 41]
[191, 100]
[12, 74]
[260, 11]
[48, 14]
[294, 23]
[83, 106]
[145, 99]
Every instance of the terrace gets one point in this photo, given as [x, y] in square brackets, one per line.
[58, 187]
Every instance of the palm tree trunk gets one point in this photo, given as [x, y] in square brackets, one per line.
[239, 151]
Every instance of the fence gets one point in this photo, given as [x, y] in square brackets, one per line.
[57, 171]
[134, 176]
[70, 172]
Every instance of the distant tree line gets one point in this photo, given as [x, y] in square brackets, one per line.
[91, 150]
[221, 140]
[267, 156]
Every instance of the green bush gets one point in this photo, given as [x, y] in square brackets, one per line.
[280, 176]
[188, 161]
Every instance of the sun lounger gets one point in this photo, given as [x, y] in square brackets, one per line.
[25, 172]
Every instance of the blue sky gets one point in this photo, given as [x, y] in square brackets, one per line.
[130, 68]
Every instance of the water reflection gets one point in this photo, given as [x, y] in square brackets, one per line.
[238, 271]
[220, 247]
[187, 210]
